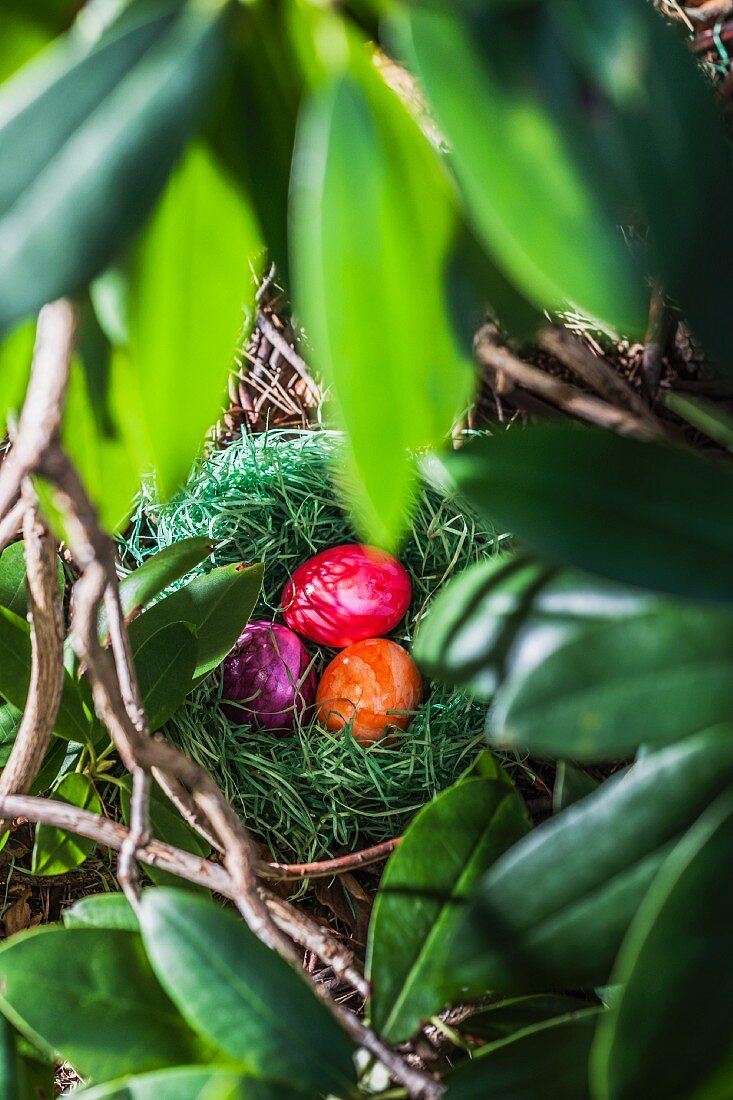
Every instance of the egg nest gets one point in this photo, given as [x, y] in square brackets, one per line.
[272, 498]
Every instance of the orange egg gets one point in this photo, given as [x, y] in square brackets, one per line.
[368, 681]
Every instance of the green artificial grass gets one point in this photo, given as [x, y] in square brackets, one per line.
[272, 498]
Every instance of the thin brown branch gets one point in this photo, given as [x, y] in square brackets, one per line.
[419, 1085]
[510, 370]
[329, 867]
[296, 361]
[655, 342]
[597, 373]
[47, 655]
[11, 524]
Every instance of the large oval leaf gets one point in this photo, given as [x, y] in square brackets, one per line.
[92, 996]
[56, 851]
[243, 996]
[217, 604]
[670, 1033]
[501, 85]
[549, 1060]
[649, 679]
[191, 1083]
[447, 847]
[164, 662]
[508, 613]
[191, 294]
[87, 137]
[642, 513]
[372, 215]
[553, 911]
[72, 722]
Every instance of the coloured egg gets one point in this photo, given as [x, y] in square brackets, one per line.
[346, 594]
[366, 682]
[266, 677]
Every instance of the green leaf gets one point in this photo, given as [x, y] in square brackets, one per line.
[165, 662]
[650, 680]
[503, 91]
[16, 353]
[217, 604]
[549, 1060]
[505, 1018]
[56, 851]
[13, 591]
[91, 995]
[352, 245]
[100, 454]
[72, 722]
[10, 719]
[447, 847]
[552, 912]
[636, 512]
[171, 563]
[217, 971]
[571, 784]
[507, 613]
[191, 295]
[9, 1084]
[646, 85]
[89, 134]
[190, 1083]
[102, 911]
[670, 1034]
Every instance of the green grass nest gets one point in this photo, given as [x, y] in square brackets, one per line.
[271, 498]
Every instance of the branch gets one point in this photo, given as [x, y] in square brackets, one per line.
[47, 656]
[193, 868]
[328, 867]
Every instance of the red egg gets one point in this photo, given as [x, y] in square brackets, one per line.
[367, 682]
[345, 595]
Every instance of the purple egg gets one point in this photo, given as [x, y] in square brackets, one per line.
[265, 674]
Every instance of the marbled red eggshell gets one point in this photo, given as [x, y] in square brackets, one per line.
[345, 595]
[265, 678]
[366, 681]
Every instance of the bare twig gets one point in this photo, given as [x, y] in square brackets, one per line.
[570, 399]
[47, 640]
[596, 373]
[137, 836]
[655, 343]
[329, 867]
[296, 361]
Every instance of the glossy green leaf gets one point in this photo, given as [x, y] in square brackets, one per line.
[92, 995]
[87, 136]
[102, 911]
[10, 719]
[100, 454]
[368, 243]
[505, 1018]
[502, 88]
[56, 851]
[16, 353]
[151, 578]
[552, 912]
[671, 1031]
[447, 847]
[548, 1060]
[13, 591]
[217, 971]
[650, 679]
[192, 285]
[9, 1069]
[165, 662]
[15, 664]
[661, 131]
[641, 513]
[191, 1083]
[571, 784]
[217, 604]
[507, 613]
